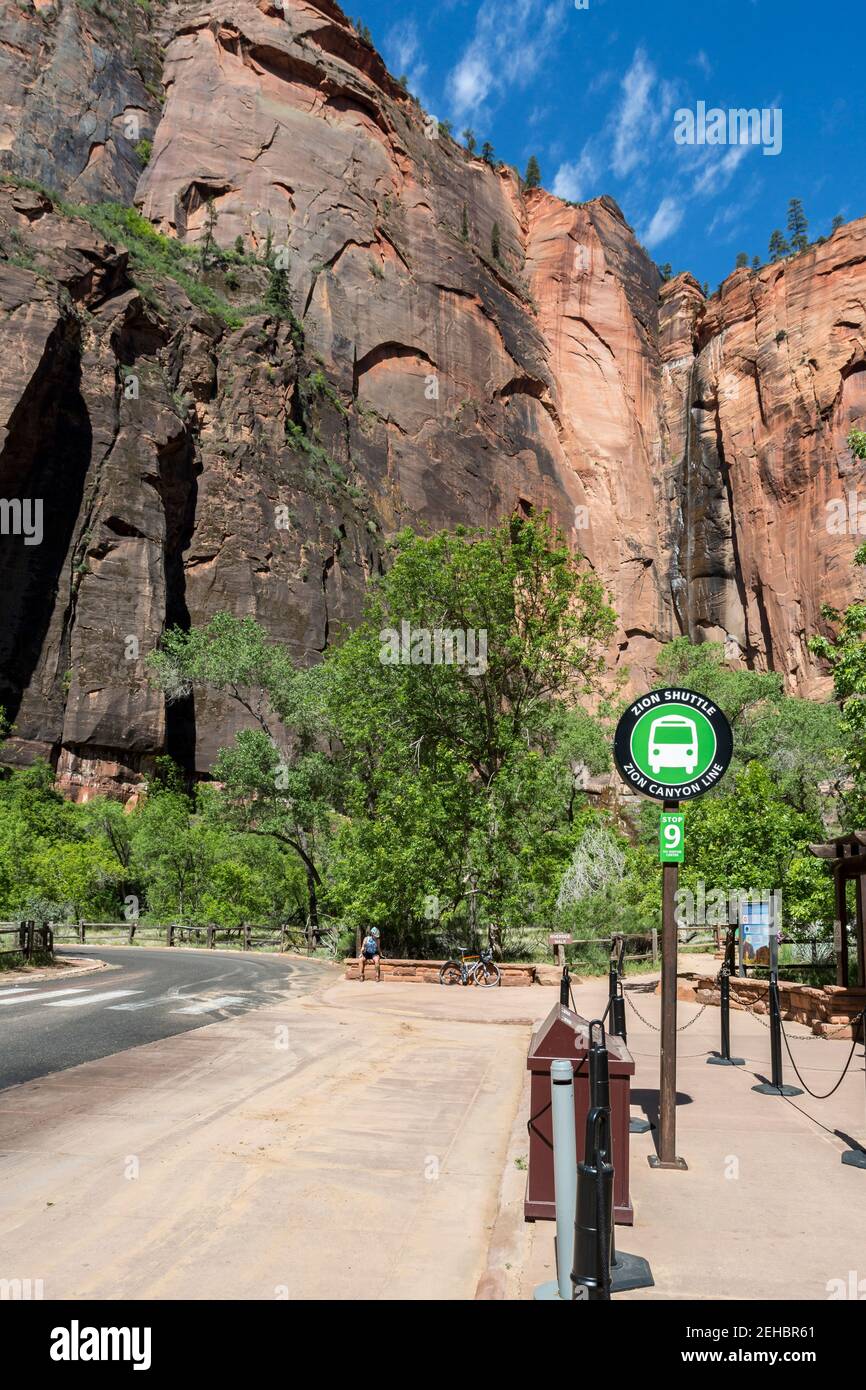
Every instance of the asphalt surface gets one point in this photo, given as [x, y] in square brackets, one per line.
[59, 1023]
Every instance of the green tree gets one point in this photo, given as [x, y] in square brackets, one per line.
[845, 653]
[171, 856]
[797, 740]
[532, 177]
[778, 247]
[208, 241]
[487, 152]
[448, 759]
[838, 221]
[798, 227]
[469, 140]
[750, 839]
[742, 260]
[278, 294]
[278, 779]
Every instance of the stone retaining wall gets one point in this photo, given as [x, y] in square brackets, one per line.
[427, 972]
[825, 1010]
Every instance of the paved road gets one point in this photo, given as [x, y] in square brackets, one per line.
[59, 1023]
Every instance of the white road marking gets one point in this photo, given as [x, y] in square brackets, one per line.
[12, 998]
[204, 1006]
[90, 999]
[197, 1002]
[147, 1003]
[46, 996]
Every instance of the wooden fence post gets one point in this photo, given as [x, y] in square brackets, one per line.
[282, 937]
[655, 931]
[80, 932]
[246, 936]
[210, 938]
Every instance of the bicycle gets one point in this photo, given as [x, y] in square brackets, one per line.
[471, 969]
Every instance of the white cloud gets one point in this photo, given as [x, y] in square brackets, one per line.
[636, 119]
[573, 176]
[665, 221]
[470, 83]
[507, 50]
[719, 170]
[402, 50]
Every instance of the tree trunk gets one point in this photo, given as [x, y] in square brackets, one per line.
[313, 903]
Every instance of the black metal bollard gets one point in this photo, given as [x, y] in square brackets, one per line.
[724, 1058]
[617, 1016]
[775, 1035]
[776, 1086]
[564, 988]
[590, 1276]
[616, 1002]
[594, 1219]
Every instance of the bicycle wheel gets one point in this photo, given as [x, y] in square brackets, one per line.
[450, 974]
[486, 974]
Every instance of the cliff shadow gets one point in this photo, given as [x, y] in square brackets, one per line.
[43, 467]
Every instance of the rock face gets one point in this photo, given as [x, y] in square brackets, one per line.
[460, 349]
[79, 91]
[772, 372]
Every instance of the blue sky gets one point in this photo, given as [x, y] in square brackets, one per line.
[593, 94]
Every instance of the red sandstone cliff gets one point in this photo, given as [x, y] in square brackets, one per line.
[772, 372]
[685, 446]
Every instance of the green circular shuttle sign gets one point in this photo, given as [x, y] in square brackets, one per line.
[673, 745]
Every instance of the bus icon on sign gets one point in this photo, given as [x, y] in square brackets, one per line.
[673, 742]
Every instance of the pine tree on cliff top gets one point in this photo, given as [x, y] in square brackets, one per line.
[798, 226]
[778, 247]
[532, 177]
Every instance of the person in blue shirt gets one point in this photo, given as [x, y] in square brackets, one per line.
[370, 952]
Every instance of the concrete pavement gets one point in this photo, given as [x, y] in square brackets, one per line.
[347, 1144]
[766, 1209]
[369, 1141]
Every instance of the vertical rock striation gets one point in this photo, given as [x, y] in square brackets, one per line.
[459, 349]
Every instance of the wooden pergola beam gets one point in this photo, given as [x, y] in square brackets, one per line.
[846, 857]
